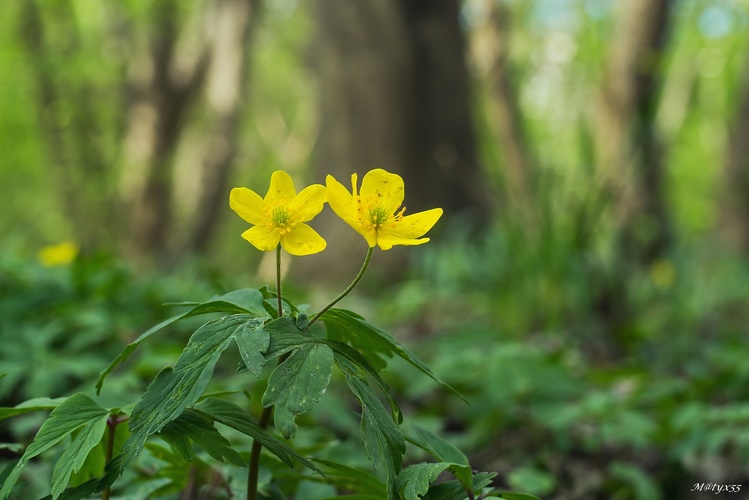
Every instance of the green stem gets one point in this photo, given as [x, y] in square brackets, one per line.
[278, 280]
[254, 465]
[112, 423]
[347, 290]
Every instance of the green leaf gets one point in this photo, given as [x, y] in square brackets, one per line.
[173, 390]
[75, 454]
[81, 491]
[252, 344]
[511, 495]
[382, 438]
[348, 478]
[29, 406]
[438, 447]
[345, 350]
[76, 412]
[642, 484]
[199, 429]
[531, 479]
[413, 481]
[374, 344]
[297, 384]
[247, 300]
[235, 417]
[444, 451]
[285, 336]
[454, 490]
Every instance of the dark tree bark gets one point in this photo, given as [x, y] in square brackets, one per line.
[735, 204]
[394, 95]
[163, 94]
[159, 100]
[74, 142]
[630, 159]
[518, 169]
[630, 152]
[226, 87]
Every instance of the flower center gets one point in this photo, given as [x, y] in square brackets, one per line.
[281, 219]
[377, 215]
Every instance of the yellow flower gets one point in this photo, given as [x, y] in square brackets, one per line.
[280, 216]
[375, 212]
[58, 255]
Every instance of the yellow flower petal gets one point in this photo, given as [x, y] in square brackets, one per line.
[308, 203]
[247, 204]
[281, 190]
[381, 187]
[264, 238]
[387, 241]
[340, 200]
[302, 240]
[416, 225]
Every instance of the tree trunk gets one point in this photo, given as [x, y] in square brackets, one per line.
[164, 90]
[491, 48]
[225, 90]
[394, 95]
[160, 97]
[630, 159]
[630, 153]
[735, 208]
[72, 133]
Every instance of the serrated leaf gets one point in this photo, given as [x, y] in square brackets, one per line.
[231, 415]
[350, 354]
[285, 336]
[81, 491]
[75, 454]
[74, 413]
[511, 495]
[356, 496]
[348, 478]
[374, 344]
[435, 445]
[32, 405]
[297, 384]
[454, 490]
[173, 390]
[413, 481]
[382, 438]
[253, 343]
[245, 301]
[200, 430]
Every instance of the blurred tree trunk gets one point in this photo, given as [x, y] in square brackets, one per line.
[735, 205]
[630, 154]
[159, 98]
[394, 95]
[165, 86]
[226, 87]
[491, 47]
[80, 167]
[176, 71]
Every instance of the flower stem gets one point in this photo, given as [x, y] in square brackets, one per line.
[253, 469]
[112, 423]
[347, 290]
[278, 280]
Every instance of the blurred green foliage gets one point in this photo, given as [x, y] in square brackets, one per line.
[509, 319]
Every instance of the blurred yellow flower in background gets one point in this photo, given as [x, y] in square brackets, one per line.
[58, 255]
[280, 217]
[375, 212]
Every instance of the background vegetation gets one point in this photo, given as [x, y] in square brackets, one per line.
[586, 290]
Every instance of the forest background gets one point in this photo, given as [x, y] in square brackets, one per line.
[586, 289]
